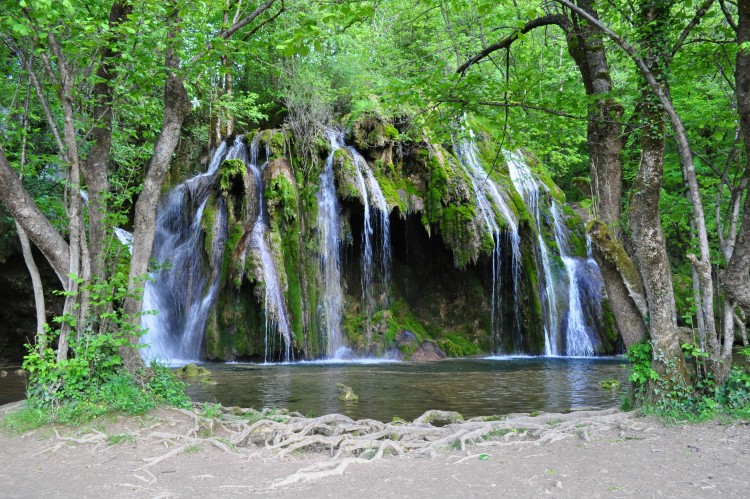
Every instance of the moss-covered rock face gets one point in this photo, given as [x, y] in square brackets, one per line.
[440, 295]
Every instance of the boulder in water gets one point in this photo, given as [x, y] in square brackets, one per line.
[428, 352]
[346, 393]
[192, 371]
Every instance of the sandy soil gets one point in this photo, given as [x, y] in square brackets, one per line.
[641, 458]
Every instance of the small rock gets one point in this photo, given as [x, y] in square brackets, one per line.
[21, 372]
[3, 374]
[428, 351]
[346, 393]
[558, 484]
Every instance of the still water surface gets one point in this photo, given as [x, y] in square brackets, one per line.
[472, 387]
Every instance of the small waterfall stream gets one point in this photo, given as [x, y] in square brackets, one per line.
[372, 197]
[528, 187]
[491, 204]
[329, 225]
[578, 335]
[179, 293]
[276, 316]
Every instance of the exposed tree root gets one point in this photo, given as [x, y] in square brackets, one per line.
[243, 432]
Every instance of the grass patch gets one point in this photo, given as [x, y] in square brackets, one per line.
[24, 420]
[121, 438]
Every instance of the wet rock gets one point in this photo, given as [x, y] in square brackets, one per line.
[405, 338]
[428, 352]
[192, 371]
[346, 393]
[394, 354]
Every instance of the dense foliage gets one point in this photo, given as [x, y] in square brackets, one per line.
[113, 96]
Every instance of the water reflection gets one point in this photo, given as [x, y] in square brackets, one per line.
[471, 387]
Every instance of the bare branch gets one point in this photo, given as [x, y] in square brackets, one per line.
[505, 43]
[692, 24]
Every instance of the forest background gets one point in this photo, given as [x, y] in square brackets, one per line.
[640, 110]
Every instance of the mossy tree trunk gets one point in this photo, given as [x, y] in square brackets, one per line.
[604, 140]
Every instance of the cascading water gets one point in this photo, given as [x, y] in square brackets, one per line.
[578, 335]
[180, 293]
[491, 204]
[276, 317]
[372, 195]
[329, 225]
[528, 187]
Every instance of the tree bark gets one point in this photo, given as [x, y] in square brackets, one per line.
[96, 166]
[737, 273]
[32, 220]
[604, 140]
[176, 109]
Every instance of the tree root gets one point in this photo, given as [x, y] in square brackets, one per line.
[242, 433]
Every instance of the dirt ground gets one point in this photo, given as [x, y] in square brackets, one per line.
[634, 457]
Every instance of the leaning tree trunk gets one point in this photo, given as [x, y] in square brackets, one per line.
[604, 140]
[176, 109]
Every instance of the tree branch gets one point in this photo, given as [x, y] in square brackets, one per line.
[692, 24]
[728, 15]
[552, 19]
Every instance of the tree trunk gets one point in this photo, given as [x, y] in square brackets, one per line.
[737, 273]
[36, 283]
[604, 140]
[96, 166]
[176, 109]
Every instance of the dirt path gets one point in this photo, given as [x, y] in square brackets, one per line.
[633, 457]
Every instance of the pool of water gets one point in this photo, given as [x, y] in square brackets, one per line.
[405, 389]
[475, 387]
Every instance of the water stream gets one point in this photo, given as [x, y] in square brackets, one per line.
[274, 305]
[491, 204]
[528, 187]
[180, 293]
[329, 227]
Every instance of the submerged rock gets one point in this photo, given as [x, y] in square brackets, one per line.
[192, 371]
[346, 393]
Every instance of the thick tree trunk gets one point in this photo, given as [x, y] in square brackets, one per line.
[737, 273]
[96, 166]
[176, 109]
[650, 244]
[604, 139]
[643, 216]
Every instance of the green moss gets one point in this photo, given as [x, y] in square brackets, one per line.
[454, 226]
[281, 198]
[346, 175]
[455, 345]
[231, 171]
[391, 132]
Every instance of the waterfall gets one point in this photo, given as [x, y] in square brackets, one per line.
[179, 292]
[582, 284]
[491, 204]
[371, 193]
[329, 227]
[528, 187]
[274, 306]
[578, 335]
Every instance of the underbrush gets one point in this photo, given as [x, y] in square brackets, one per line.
[702, 400]
[92, 383]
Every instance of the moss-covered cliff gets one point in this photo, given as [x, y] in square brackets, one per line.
[441, 288]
